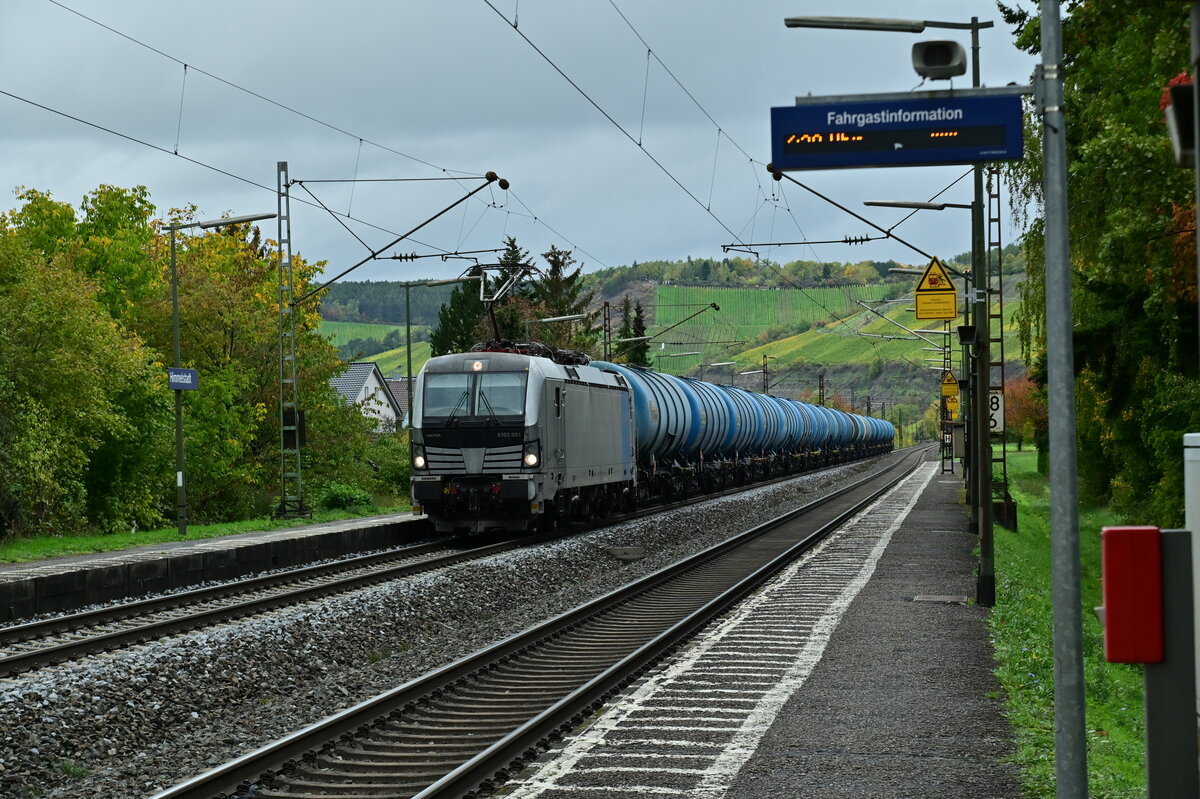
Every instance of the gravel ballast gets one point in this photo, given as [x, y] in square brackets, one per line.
[134, 722]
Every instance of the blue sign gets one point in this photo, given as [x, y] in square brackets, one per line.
[913, 129]
[182, 379]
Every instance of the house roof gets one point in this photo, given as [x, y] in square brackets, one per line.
[350, 384]
[399, 388]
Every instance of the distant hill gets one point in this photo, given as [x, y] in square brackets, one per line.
[806, 319]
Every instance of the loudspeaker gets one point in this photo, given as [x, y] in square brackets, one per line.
[939, 60]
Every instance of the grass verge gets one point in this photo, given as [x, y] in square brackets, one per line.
[1022, 628]
[28, 549]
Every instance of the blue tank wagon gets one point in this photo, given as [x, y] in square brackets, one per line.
[516, 435]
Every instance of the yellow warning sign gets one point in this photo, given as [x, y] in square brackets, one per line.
[952, 406]
[937, 305]
[936, 278]
[949, 385]
[936, 296]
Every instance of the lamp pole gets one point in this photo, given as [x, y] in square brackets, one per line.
[982, 477]
[180, 483]
[766, 375]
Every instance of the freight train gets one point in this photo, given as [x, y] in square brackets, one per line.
[516, 436]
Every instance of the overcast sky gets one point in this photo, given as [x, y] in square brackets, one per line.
[449, 88]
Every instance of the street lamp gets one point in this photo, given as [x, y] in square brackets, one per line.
[179, 380]
[980, 452]
[916, 206]
[986, 586]
[658, 356]
[752, 372]
[762, 371]
[568, 318]
[722, 363]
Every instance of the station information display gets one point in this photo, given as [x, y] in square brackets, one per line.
[914, 129]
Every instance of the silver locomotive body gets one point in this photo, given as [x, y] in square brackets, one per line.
[504, 440]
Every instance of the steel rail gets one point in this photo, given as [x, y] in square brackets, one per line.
[306, 745]
[16, 633]
[109, 640]
[104, 641]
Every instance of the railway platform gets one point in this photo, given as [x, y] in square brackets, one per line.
[886, 690]
[76, 581]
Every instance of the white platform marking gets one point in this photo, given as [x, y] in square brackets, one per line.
[845, 561]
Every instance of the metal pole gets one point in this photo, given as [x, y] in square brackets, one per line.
[1170, 685]
[607, 332]
[985, 589]
[181, 491]
[970, 363]
[1196, 116]
[408, 346]
[1070, 739]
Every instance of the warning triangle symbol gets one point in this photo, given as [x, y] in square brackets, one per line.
[936, 278]
[949, 379]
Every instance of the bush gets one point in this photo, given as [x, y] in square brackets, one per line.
[388, 456]
[339, 496]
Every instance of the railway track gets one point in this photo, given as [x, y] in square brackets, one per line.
[33, 645]
[462, 728]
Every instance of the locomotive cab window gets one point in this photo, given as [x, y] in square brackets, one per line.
[480, 396]
[444, 393]
[501, 394]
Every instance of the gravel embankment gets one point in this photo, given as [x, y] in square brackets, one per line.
[134, 722]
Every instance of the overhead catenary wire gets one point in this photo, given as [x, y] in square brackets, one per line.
[251, 92]
[610, 118]
[455, 174]
[360, 140]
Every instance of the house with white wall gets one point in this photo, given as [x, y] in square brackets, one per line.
[362, 384]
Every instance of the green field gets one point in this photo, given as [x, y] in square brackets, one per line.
[763, 308]
[1023, 627]
[394, 363]
[856, 337]
[342, 333]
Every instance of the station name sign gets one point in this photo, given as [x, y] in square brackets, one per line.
[967, 126]
[182, 379]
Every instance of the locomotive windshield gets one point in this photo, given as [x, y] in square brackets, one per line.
[480, 396]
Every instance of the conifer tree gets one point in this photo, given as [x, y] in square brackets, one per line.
[639, 353]
[515, 310]
[458, 319]
[626, 329]
[560, 293]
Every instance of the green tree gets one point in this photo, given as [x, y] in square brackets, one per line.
[458, 320]
[514, 311]
[560, 292]
[84, 431]
[625, 330]
[1133, 251]
[639, 353]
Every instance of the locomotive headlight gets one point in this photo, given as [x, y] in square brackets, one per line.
[532, 456]
[418, 457]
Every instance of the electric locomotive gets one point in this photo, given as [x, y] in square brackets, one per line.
[503, 439]
[514, 435]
